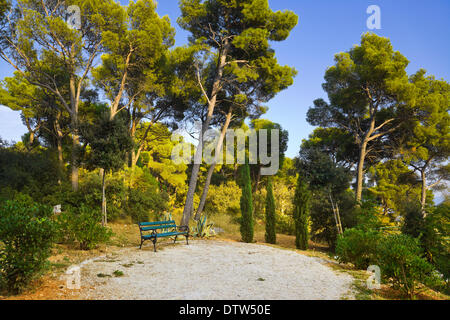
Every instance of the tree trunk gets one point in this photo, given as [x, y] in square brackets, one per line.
[360, 172]
[74, 98]
[104, 216]
[213, 165]
[257, 180]
[423, 197]
[75, 150]
[59, 148]
[189, 205]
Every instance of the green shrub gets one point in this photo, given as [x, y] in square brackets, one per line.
[414, 222]
[402, 265]
[436, 242]
[285, 224]
[145, 205]
[223, 199]
[27, 235]
[358, 247]
[82, 225]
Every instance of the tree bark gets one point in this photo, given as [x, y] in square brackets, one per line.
[74, 99]
[59, 137]
[104, 216]
[188, 208]
[360, 170]
[213, 165]
[423, 197]
[75, 150]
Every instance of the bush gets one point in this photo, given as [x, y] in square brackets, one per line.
[436, 242]
[402, 265]
[323, 224]
[35, 173]
[414, 223]
[27, 235]
[82, 225]
[143, 205]
[223, 199]
[358, 246]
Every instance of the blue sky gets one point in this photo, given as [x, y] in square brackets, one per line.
[420, 30]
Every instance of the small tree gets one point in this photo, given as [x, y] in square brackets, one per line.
[271, 236]
[301, 214]
[246, 205]
[110, 143]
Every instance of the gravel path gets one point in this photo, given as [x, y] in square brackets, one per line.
[212, 270]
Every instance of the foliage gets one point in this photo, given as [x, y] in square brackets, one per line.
[283, 135]
[246, 206]
[27, 235]
[143, 205]
[395, 184]
[413, 224]
[323, 224]
[301, 214]
[401, 262]
[367, 89]
[223, 199]
[109, 143]
[271, 235]
[82, 225]
[426, 141]
[436, 241]
[358, 246]
[34, 173]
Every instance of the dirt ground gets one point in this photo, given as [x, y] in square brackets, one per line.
[214, 270]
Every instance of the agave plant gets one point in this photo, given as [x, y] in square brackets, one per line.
[203, 229]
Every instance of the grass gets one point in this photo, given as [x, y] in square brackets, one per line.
[118, 273]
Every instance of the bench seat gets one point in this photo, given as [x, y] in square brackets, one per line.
[163, 235]
[161, 229]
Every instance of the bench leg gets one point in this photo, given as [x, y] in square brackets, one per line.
[140, 247]
[175, 239]
[187, 239]
[154, 244]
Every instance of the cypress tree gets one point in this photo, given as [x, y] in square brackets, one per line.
[246, 205]
[301, 214]
[271, 236]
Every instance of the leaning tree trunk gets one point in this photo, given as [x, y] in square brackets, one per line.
[189, 205]
[213, 165]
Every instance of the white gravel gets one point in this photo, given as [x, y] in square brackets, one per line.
[213, 270]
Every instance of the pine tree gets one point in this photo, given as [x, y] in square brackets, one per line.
[246, 206]
[271, 235]
[301, 214]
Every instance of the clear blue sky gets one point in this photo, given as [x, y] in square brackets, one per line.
[418, 29]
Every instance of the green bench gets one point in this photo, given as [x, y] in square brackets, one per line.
[161, 229]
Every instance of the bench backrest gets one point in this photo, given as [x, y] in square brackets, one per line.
[151, 226]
